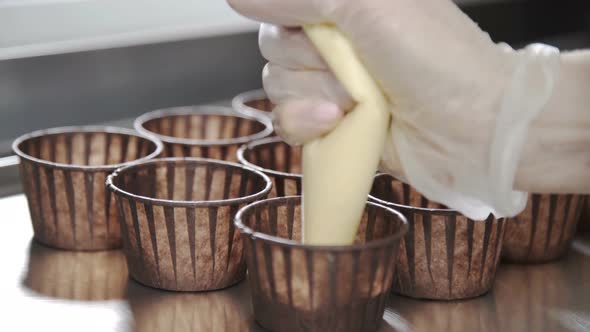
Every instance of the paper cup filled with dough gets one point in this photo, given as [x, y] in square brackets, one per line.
[297, 287]
[203, 131]
[63, 171]
[253, 102]
[277, 159]
[76, 275]
[157, 311]
[177, 220]
[545, 230]
[445, 255]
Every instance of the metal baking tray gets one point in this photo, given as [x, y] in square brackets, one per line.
[54, 290]
[47, 289]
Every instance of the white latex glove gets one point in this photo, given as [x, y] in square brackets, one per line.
[462, 105]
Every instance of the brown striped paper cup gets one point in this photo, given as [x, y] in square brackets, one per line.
[298, 287]
[176, 220]
[445, 255]
[159, 311]
[63, 171]
[277, 159]
[545, 230]
[584, 224]
[203, 131]
[253, 102]
[76, 275]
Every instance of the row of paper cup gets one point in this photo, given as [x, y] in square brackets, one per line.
[174, 217]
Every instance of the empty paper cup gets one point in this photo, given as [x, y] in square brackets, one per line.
[203, 131]
[584, 224]
[544, 230]
[298, 287]
[158, 311]
[253, 102]
[445, 255]
[277, 159]
[63, 171]
[177, 220]
[75, 275]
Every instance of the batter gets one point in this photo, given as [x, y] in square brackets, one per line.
[339, 167]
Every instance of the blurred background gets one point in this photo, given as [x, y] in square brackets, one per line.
[68, 62]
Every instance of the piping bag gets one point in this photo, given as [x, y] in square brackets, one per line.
[339, 167]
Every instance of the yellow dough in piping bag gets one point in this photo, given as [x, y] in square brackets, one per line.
[338, 169]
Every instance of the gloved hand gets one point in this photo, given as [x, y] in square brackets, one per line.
[461, 104]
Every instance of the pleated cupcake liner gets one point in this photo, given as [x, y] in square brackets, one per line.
[203, 131]
[544, 231]
[445, 255]
[63, 171]
[177, 220]
[277, 159]
[298, 287]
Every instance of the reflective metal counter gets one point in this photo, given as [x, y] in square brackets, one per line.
[44, 289]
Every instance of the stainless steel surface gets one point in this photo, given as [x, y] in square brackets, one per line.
[52, 290]
[9, 177]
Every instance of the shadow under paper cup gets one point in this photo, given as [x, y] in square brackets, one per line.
[203, 131]
[157, 311]
[177, 220]
[277, 159]
[445, 255]
[298, 287]
[63, 171]
[545, 230]
[546, 286]
[75, 275]
[253, 102]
